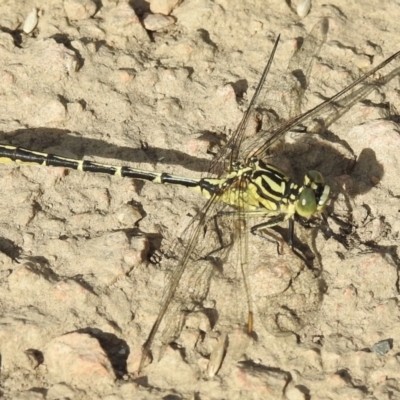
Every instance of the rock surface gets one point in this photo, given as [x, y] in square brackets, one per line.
[78, 296]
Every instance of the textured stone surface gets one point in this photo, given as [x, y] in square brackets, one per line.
[78, 296]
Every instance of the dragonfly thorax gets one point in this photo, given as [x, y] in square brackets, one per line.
[271, 189]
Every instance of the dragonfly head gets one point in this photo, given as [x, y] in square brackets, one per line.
[313, 196]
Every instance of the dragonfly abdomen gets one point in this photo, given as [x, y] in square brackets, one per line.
[25, 156]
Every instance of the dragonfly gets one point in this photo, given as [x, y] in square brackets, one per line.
[240, 187]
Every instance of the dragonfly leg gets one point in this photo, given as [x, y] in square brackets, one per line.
[218, 231]
[271, 237]
[267, 234]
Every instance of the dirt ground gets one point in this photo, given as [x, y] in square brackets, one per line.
[78, 295]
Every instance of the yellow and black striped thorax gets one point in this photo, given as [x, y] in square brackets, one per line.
[259, 186]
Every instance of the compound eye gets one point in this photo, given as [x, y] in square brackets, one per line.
[306, 204]
[314, 177]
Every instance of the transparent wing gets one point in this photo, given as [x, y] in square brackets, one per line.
[191, 267]
[284, 100]
[203, 261]
[272, 105]
[290, 295]
[229, 154]
[336, 109]
[325, 113]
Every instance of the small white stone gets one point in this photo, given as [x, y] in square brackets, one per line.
[294, 393]
[362, 61]
[30, 21]
[303, 8]
[217, 356]
[155, 22]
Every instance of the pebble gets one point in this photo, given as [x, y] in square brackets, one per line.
[266, 383]
[293, 393]
[382, 347]
[31, 21]
[54, 112]
[60, 391]
[155, 22]
[78, 10]
[362, 61]
[54, 58]
[122, 21]
[78, 359]
[164, 6]
[217, 356]
[303, 8]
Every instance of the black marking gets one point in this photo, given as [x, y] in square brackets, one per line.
[17, 154]
[265, 195]
[89, 166]
[271, 174]
[56, 161]
[174, 180]
[138, 174]
[211, 188]
[267, 187]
